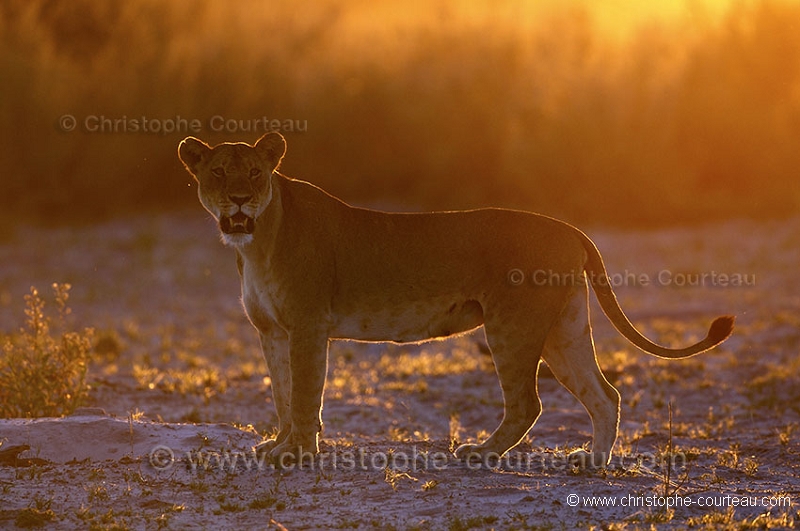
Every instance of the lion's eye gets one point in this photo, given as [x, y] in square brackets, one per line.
[255, 172]
[218, 171]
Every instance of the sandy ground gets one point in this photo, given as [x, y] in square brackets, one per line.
[179, 395]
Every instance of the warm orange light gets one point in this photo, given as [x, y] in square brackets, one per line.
[616, 17]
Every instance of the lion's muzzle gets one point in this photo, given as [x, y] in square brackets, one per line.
[239, 223]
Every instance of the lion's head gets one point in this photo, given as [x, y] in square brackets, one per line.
[234, 181]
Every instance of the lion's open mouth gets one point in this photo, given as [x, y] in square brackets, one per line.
[239, 223]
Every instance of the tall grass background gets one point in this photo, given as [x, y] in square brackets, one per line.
[678, 121]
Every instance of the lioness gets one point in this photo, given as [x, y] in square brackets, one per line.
[314, 269]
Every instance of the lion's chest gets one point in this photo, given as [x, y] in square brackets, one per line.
[261, 302]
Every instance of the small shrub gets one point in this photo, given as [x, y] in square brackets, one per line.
[42, 374]
[38, 514]
[31, 517]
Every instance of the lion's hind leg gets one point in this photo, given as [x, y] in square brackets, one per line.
[569, 352]
[516, 348]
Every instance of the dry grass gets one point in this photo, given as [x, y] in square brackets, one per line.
[178, 348]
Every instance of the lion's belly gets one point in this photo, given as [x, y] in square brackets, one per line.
[409, 322]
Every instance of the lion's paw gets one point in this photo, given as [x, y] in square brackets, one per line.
[289, 453]
[478, 455]
[467, 450]
[587, 460]
[265, 447]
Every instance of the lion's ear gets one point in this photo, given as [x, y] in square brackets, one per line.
[271, 147]
[191, 152]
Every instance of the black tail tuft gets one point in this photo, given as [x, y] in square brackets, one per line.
[721, 329]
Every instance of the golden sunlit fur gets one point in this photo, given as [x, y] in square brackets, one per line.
[314, 269]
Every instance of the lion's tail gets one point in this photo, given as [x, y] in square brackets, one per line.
[720, 329]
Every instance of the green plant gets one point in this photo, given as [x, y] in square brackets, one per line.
[44, 373]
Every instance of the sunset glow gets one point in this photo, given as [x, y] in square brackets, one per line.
[217, 216]
[677, 109]
[617, 18]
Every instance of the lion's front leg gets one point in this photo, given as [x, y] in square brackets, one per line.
[308, 360]
[275, 347]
